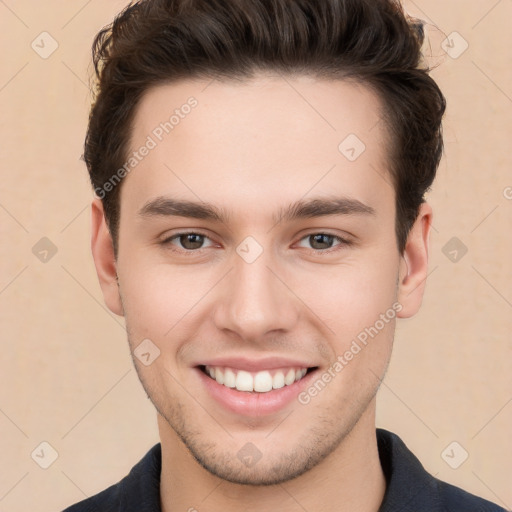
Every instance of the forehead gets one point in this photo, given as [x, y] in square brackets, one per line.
[271, 136]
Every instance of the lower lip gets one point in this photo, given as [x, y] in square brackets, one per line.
[254, 403]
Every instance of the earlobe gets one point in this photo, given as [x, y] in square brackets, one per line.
[414, 264]
[104, 260]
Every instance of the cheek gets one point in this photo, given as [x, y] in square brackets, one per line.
[159, 298]
[358, 308]
[352, 295]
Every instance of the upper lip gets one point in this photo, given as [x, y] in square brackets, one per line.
[255, 365]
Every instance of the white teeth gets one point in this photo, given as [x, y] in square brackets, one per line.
[300, 373]
[260, 382]
[244, 381]
[278, 380]
[229, 378]
[290, 377]
[219, 375]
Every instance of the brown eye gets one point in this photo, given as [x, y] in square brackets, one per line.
[187, 241]
[191, 240]
[323, 242]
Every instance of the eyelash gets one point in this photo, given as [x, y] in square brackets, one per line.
[342, 242]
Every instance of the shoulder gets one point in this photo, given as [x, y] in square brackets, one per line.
[106, 500]
[138, 491]
[411, 487]
[455, 499]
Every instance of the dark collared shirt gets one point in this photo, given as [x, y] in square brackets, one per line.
[409, 487]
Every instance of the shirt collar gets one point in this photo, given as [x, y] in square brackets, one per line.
[140, 490]
[408, 485]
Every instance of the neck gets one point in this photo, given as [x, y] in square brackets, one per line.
[350, 478]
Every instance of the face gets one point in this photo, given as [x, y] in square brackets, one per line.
[256, 252]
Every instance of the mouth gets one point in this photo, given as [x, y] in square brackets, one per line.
[263, 381]
[254, 387]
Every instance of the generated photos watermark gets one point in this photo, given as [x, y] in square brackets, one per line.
[357, 345]
[152, 140]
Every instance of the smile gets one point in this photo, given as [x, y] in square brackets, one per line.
[261, 381]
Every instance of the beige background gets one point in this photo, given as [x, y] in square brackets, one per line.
[67, 376]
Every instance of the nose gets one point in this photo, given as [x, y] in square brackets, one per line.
[255, 299]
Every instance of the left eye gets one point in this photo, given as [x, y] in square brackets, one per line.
[188, 241]
[319, 241]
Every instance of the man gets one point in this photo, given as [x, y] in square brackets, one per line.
[260, 170]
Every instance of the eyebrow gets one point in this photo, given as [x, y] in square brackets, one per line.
[305, 208]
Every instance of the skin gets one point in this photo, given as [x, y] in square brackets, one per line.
[252, 148]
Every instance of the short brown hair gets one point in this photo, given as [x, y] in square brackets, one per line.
[158, 41]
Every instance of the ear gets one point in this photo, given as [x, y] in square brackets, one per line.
[414, 264]
[103, 254]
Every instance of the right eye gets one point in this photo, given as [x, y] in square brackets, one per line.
[190, 241]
